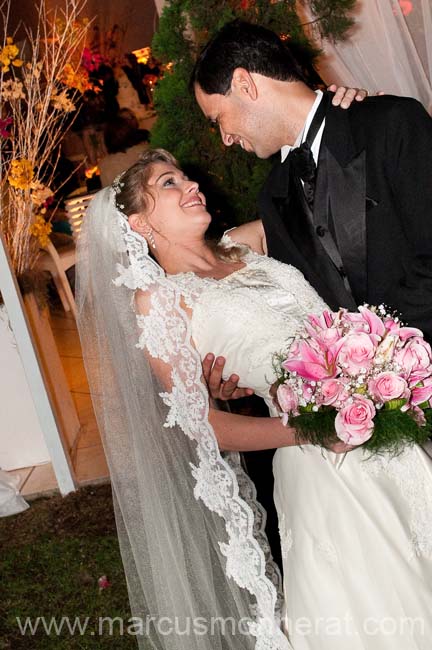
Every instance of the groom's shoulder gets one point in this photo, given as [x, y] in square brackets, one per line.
[377, 123]
[384, 110]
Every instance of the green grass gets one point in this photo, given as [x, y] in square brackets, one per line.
[51, 558]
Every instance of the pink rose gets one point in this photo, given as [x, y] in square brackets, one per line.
[356, 353]
[332, 393]
[287, 399]
[329, 338]
[387, 386]
[415, 358]
[354, 422]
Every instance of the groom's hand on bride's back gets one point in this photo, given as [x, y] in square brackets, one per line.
[218, 387]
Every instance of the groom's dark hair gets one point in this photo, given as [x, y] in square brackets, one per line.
[239, 44]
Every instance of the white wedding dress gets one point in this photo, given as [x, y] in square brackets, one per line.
[356, 534]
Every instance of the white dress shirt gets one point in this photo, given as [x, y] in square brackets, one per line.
[316, 144]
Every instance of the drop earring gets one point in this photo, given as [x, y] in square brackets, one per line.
[151, 239]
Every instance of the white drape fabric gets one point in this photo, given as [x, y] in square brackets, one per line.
[11, 502]
[389, 49]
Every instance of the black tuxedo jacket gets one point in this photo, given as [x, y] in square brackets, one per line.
[369, 238]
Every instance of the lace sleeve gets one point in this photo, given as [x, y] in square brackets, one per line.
[220, 480]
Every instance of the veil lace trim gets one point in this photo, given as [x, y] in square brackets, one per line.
[166, 334]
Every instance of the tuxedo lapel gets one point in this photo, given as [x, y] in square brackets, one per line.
[281, 188]
[292, 237]
[347, 189]
[328, 244]
[278, 180]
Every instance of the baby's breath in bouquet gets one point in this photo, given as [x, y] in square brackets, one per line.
[362, 377]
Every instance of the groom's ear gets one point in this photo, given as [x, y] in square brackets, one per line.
[138, 223]
[243, 84]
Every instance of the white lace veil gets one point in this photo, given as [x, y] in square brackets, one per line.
[190, 531]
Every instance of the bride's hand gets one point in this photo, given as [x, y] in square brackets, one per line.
[217, 387]
[344, 97]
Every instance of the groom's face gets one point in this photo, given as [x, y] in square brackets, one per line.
[239, 120]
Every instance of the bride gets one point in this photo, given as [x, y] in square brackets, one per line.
[355, 533]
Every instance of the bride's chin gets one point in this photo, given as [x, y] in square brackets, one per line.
[206, 218]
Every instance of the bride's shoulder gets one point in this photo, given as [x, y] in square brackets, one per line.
[250, 234]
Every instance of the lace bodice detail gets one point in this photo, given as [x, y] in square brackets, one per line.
[249, 315]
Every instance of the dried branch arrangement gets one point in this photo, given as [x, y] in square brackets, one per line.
[40, 83]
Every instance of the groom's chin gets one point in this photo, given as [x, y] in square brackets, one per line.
[263, 155]
[262, 152]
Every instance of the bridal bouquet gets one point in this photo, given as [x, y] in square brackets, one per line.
[362, 376]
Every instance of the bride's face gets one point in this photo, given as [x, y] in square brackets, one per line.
[179, 211]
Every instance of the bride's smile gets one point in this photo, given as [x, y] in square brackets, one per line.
[175, 212]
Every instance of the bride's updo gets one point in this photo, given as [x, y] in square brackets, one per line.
[133, 196]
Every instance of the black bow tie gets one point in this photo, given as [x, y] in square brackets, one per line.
[302, 165]
[301, 159]
[303, 162]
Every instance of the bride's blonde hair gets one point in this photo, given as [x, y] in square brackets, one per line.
[133, 196]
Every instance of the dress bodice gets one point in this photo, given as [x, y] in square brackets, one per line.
[249, 315]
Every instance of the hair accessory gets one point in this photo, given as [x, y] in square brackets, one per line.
[118, 186]
[117, 183]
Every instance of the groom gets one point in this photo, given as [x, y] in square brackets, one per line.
[349, 202]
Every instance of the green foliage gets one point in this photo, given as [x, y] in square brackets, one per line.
[333, 18]
[230, 178]
[172, 44]
[393, 430]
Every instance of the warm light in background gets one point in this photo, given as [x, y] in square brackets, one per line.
[143, 54]
[92, 171]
